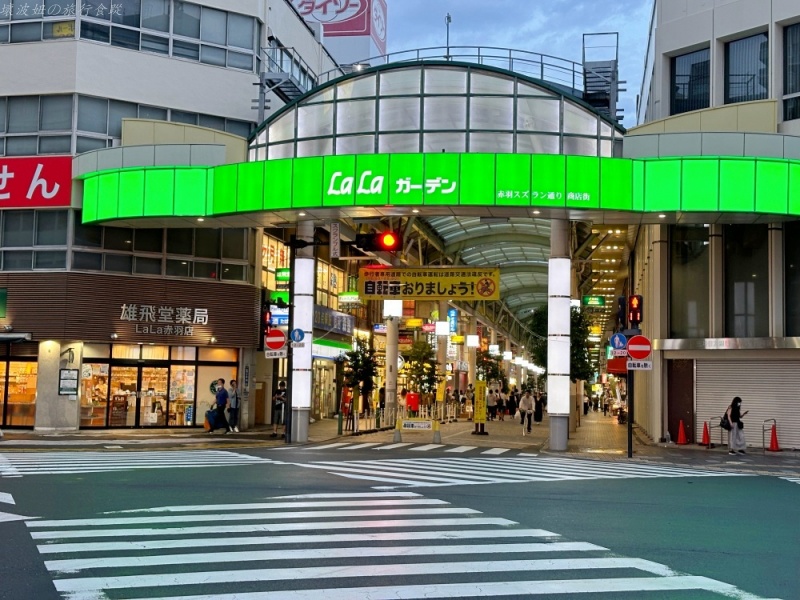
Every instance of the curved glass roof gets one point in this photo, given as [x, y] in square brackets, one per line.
[430, 106]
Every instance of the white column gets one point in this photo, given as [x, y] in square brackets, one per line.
[508, 363]
[776, 281]
[303, 275]
[392, 333]
[441, 356]
[558, 330]
[472, 352]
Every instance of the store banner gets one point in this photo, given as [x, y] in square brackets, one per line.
[35, 182]
[429, 283]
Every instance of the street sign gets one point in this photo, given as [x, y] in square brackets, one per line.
[639, 347]
[298, 344]
[594, 301]
[297, 335]
[270, 354]
[275, 340]
[617, 353]
[335, 242]
[640, 365]
[618, 342]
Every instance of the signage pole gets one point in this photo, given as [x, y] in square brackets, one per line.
[287, 404]
[630, 413]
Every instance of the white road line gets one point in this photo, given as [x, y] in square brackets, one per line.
[426, 447]
[82, 564]
[460, 449]
[7, 469]
[338, 571]
[231, 508]
[393, 446]
[395, 473]
[495, 451]
[496, 588]
[267, 516]
[224, 528]
[328, 446]
[360, 446]
[6, 498]
[283, 540]
[349, 495]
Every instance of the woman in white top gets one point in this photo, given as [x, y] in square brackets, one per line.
[526, 411]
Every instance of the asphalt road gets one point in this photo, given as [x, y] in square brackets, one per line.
[297, 523]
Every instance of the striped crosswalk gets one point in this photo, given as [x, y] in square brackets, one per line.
[376, 545]
[411, 447]
[50, 463]
[791, 479]
[456, 470]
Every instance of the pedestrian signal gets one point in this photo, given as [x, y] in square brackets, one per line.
[635, 310]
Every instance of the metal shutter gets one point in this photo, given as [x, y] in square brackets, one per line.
[768, 389]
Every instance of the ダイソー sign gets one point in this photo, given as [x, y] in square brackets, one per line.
[462, 283]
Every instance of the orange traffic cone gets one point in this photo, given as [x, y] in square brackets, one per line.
[681, 435]
[773, 442]
[706, 439]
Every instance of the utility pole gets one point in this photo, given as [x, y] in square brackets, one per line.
[447, 20]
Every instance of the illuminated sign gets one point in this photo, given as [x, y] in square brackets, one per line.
[429, 283]
[594, 301]
[349, 298]
[446, 181]
[36, 182]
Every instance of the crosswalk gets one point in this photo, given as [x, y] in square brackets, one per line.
[412, 447]
[791, 479]
[445, 471]
[377, 545]
[64, 463]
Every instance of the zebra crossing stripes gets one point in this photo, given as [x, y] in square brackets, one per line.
[409, 446]
[791, 479]
[66, 463]
[457, 470]
[129, 555]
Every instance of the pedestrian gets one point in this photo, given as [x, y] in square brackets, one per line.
[278, 407]
[382, 397]
[525, 410]
[491, 404]
[737, 443]
[403, 404]
[234, 403]
[501, 405]
[221, 401]
[538, 409]
[511, 404]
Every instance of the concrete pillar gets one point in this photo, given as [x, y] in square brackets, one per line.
[716, 312]
[777, 327]
[55, 412]
[303, 282]
[441, 351]
[472, 354]
[508, 363]
[558, 333]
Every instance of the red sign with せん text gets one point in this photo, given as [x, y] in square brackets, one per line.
[35, 182]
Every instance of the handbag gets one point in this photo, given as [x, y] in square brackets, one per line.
[725, 423]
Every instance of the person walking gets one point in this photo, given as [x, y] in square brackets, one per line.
[278, 405]
[525, 411]
[234, 403]
[501, 405]
[221, 401]
[491, 404]
[511, 404]
[538, 409]
[737, 443]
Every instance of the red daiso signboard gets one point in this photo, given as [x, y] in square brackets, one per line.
[35, 182]
[362, 21]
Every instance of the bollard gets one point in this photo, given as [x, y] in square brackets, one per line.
[398, 436]
[437, 435]
[378, 419]
[339, 425]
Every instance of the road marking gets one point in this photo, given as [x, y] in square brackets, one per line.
[495, 451]
[427, 447]
[460, 449]
[329, 446]
[361, 446]
[6, 498]
[393, 446]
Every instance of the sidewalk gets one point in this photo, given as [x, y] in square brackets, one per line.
[597, 436]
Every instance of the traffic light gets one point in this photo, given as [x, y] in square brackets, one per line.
[384, 241]
[635, 310]
[622, 314]
[266, 319]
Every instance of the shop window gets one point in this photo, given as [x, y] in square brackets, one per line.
[746, 287]
[218, 354]
[151, 352]
[689, 286]
[118, 263]
[87, 261]
[127, 351]
[791, 265]
[746, 69]
[94, 394]
[690, 89]
[51, 227]
[96, 351]
[182, 388]
[183, 353]
[21, 398]
[18, 228]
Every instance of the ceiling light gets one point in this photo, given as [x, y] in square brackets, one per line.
[415, 211]
[536, 212]
[662, 216]
[302, 214]
[200, 220]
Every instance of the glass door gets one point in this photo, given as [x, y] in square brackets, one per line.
[153, 397]
[94, 395]
[124, 392]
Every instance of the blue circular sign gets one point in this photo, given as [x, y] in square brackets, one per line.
[297, 335]
[619, 341]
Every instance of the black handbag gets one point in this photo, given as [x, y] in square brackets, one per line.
[725, 423]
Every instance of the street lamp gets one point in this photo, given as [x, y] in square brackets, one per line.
[447, 20]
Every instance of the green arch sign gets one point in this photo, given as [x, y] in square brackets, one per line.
[698, 187]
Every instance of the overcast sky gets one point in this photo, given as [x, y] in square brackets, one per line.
[553, 27]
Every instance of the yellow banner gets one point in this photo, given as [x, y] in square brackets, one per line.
[429, 283]
[479, 408]
[413, 323]
[440, 392]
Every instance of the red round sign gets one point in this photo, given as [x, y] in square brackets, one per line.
[275, 339]
[639, 347]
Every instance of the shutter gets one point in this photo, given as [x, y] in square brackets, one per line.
[768, 389]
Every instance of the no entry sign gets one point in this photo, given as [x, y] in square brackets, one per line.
[639, 347]
[275, 339]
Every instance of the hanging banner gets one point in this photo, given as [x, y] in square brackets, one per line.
[429, 283]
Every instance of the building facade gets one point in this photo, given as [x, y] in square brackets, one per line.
[721, 78]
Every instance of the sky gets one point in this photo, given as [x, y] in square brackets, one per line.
[553, 27]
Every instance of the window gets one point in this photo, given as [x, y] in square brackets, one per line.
[791, 265]
[87, 235]
[689, 274]
[127, 13]
[118, 263]
[208, 243]
[155, 14]
[18, 228]
[117, 238]
[187, 20]
[180, 241]
[233, 243]
[56, 113]
[689, 85]
[791, 72]
[148, 240]
[51, 228]
[746, 285]
[746, 69]
[23, 114]
[50, 259]
[93, 114]
[87, 261]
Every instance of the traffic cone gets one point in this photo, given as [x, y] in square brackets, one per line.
[773, 442]
[681, 435]
[706, 439]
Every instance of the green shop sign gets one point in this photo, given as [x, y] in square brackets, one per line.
[594, 301]
[555, 185]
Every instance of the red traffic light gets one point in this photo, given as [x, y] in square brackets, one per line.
[388, 241]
